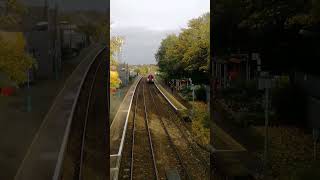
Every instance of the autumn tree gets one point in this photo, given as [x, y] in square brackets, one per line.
[271, 28]
[187, 54]
[14, 61]
[93, 24]
[12, 17]
[115, 45]
[165, 62]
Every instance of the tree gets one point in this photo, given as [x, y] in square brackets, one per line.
[92, 23]
[137, 70]
[14, 11]
[165, 56]
[269, 27]
[114, 79]
[188, 54]
[115, 45]
[14, 61]
[196, 56]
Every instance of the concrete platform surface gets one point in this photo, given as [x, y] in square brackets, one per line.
[118, 130]
[41, 157]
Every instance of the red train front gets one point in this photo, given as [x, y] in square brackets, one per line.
[150, 78]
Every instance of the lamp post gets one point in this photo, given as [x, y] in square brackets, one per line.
[29, 95]
[315, 133]
[192, 85]
[192, 88]
[265, 83]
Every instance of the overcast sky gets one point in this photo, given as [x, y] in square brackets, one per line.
[144, 23]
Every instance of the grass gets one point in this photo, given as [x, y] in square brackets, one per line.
[225, 141]
[200, 123]
[290, 152]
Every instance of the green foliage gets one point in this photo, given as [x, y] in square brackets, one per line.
[97, 32]
[186, 93]
[263, 15]
[143, 69]
[201, 123]
[13, 14]
[188, 53]
[93, 24]
[137, 70]
[201, 93]
[282, 31]
[146, 69]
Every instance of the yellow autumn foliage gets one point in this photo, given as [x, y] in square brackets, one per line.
[114, 79]
[115, 45]
[14, 61]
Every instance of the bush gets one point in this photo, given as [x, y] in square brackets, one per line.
[186, 93]
[201, 93]
[288, 103]
[201, 123]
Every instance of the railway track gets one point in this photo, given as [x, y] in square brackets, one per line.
[85, 151]
[149, 127]
[183, 172]
[143, 163]
[192, 155]
[203, 152]
[88, 125]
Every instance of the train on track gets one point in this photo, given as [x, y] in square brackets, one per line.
[150, 78]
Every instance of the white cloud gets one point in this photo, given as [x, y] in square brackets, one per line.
[144, 23]
[156, 14]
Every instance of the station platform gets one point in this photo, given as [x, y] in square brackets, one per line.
[44, 154]
[170, 98]
[118, 130]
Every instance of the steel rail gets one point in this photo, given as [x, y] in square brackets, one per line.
[204, 161]
[149, 135]
[156, 175]
[88, 107]
[118, 156]
[133, 129]
[58, 167]
[173, 146]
